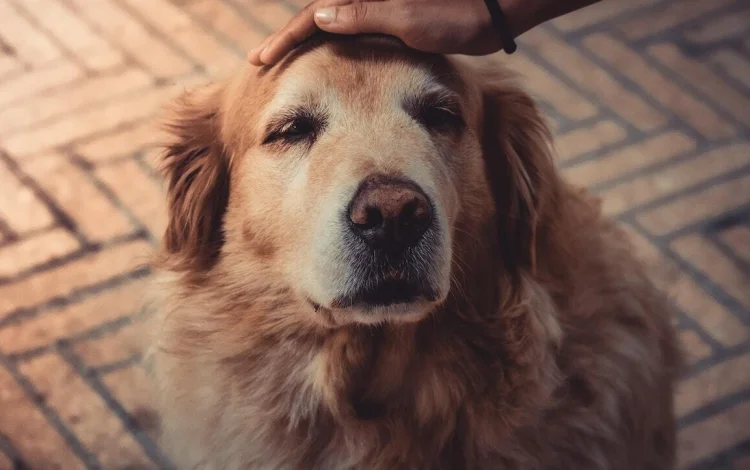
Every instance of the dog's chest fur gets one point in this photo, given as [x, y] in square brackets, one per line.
[378, 397]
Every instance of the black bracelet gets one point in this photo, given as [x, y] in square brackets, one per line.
[501, 26]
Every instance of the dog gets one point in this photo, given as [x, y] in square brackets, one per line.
[371, 262]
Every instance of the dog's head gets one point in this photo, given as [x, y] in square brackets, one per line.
[353, 173]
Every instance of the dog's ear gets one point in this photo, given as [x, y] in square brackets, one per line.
[197, 174]
[520, 168]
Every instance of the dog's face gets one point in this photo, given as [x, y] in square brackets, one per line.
[344, 174]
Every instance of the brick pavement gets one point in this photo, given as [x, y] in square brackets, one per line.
[650, 101]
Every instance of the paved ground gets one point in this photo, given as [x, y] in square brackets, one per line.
[650, 101]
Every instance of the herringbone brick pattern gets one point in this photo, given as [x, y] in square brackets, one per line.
[650, 101]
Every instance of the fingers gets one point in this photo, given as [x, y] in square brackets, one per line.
[360, 17]
[299, 28]
[254, 55]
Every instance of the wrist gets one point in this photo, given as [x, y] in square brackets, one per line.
[520, 14]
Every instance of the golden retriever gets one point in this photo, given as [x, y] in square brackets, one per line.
[371, 262]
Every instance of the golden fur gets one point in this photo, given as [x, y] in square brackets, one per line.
[549, 349]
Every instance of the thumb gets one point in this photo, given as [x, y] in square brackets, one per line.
[356, 18]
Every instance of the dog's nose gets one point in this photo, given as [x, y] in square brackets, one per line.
[390, 214]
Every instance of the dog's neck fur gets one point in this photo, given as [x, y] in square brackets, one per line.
[381, 379]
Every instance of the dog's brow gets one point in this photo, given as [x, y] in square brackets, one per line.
[290, 102]
[285, 114]
[434, 94]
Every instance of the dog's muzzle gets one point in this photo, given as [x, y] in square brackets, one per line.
[391, 241]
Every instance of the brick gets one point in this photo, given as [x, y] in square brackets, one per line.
[717, 382]
[723, 27]
[132, 389]
[138, 192]
[62, 281]
[680, 176]
[686, 294]
[598, 12]
[659, 87]
[73, 33]
[718, 433]
[631, 158]
[35, 82]
[74, 319]
[128, 33]
[161, 15]
[118, 346]
[35, 250]
[30, 432]
[108, 87]
[205, 49]
[552, 123]
[8, 65]
[697, 206]
[589, 139]
[122, 141]
[733, 64]
[671, 14]
[153, 159]
[28, 42]
[19, 206]
[704, 255]
[188, 35]
[595, 80]
[545, 87]
[89, 122]
[663, 272]
[101, 59]
[690, 298]
[738, 239]
[694, 347]
[85, 413]
[707, 312]
[226, 21]
[272, 14]
[733, 102]
[73, 190]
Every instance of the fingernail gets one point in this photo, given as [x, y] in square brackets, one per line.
[325, 15]
[261, 53]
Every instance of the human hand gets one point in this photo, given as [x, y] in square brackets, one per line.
[437, 26]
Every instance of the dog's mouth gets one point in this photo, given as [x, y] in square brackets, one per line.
[386, 293]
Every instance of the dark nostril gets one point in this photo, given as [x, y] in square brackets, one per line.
[374, 218]
[390, 214]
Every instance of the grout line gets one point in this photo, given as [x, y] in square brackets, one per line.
[732, 306]
[723, 460]
[33, 21]
[94, 381]
[33, 395]
[713, 408]
[81, 252]
[12, 453]
[111, 367]
[57, 212]
[76, 296]
[97, 332]
[87, 168]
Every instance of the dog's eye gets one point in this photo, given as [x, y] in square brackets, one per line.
[439, 118]
[436, 114]
[296, 129]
